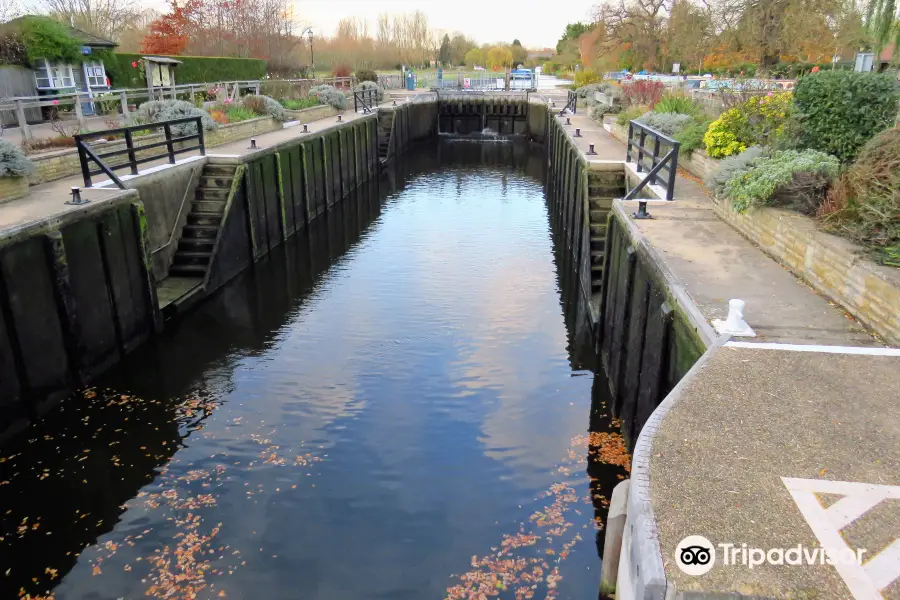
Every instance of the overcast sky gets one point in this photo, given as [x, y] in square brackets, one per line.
[534, 24]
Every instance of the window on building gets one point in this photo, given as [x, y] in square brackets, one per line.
[42, 75]
[96, 74]
[53, 75]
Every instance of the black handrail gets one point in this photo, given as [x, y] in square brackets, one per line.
[86, 153]
[571, 104]
[365, 99]
[658, 162]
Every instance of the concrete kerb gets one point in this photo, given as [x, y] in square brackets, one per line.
[641, 544]
[101, 200]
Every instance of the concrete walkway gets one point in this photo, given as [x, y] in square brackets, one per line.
[790, 438]
[47, 201]
[713, 263]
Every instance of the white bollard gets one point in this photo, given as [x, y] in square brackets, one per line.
[734, 324]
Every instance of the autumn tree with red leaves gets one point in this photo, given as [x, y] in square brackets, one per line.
[170, 33]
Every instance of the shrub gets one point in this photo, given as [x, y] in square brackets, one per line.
[37, 145]
[632, 112]
[156, 111]
[732, 166]
[598, 111]
[341, 71]
[678, 103]
[760, 120]
[45, 38]
[691, 135]
[841, 110]
[799, 179]
[12, 160]
[587, 91]
[13, 50]
[328, 94]
[219, 116]
[643, 92]
[236, 114]
[369, 85]
[263, 105]
[366, 75]
[865, 204]
[667, 123]
[549, 67]
[585, 77]
[300, 103]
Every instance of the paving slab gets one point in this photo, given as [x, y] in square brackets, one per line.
[714, 263]
[750, 418]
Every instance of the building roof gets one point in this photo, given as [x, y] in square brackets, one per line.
[83, 37]
[162, 59]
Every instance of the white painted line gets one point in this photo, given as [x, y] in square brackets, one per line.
[884, 567]
[865, 582]
[859, 350]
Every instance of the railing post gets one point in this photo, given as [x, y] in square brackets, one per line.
[79, 112]
[193, 96]
[355, 102]
[201, 139]
[24, 128]
[655, 156]
[673, 171]
[83, 159]
[628, 145]
[257, 88]
[123, 99]
[169, 146]
[640, 159]
[132, 159]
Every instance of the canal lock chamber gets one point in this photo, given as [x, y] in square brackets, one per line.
[370, 283]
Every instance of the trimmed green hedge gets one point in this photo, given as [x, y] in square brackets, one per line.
[194, 69]
[839, 111]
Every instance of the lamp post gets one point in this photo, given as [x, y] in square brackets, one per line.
[312, 58]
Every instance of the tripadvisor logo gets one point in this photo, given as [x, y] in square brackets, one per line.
[695, 555]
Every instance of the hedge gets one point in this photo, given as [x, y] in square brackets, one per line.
[194, 69]
[839, 111]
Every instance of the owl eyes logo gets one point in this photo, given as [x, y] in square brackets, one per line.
[695, 555]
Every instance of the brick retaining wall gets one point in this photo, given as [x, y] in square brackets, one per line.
[833, 266]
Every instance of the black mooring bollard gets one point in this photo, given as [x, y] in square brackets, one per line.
[76, 198]
[252, 144]
[591, 150]
[395, 103]
[568, 121]
[340, 118]
[305, 128]
[642, 211]
[577, 132]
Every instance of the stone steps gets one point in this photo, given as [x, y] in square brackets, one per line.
[196, 247]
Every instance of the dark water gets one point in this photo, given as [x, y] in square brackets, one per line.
[387, 407]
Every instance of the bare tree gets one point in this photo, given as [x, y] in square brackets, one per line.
[105, 18]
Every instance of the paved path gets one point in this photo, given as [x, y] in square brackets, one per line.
[47, 201]
[768, 445]
[714, 263]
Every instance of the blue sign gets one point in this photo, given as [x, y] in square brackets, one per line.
[86, 50]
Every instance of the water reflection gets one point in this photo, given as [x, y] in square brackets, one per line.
[389, 394]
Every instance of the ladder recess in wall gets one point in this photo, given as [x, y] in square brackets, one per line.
[198, 238]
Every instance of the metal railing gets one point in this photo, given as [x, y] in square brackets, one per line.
[115, 103]
[661, 168]
[87, 155]
[571, 103]
[365, 99]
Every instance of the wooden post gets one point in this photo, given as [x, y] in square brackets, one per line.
[79, 112]
[257, 88]
[23, 123]
[123, 99]
[193, 97]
